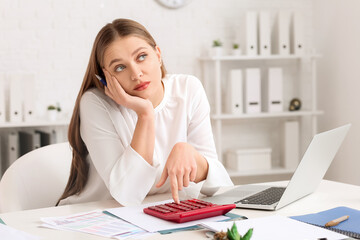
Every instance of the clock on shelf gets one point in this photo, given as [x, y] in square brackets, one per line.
[173, 3]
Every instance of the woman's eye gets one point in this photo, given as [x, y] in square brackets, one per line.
[119, 68]
[142, 57]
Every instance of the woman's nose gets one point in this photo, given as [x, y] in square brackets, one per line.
[136, 73]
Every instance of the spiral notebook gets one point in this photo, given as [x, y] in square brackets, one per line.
[349, 227]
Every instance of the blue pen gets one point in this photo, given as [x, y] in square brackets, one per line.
[101, 80]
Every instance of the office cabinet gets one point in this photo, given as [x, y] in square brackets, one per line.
[265, 129]
[10, 142]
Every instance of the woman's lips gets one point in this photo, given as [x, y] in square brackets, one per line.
[141, 86]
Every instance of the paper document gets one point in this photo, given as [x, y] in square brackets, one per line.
[276, 227]
[10, 233]
[94, 222]
[136, 216]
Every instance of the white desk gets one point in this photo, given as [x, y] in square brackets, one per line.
[328, 195]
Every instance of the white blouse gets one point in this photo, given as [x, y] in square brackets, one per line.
[117, 171]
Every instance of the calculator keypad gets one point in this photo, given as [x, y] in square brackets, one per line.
[187, 210]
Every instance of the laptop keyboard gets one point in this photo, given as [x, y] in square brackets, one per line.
[267, 197]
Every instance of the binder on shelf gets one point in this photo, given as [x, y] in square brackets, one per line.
[46, 137]
[252, 90]
[297, 34]
[264, 33]
[1, 160]
[29, 97]
[12, 148]
[282, 46]
[15, 98]
[273, 90]
[2, 101]
[291, 145]
[28, 141]
[234, 97]
[251, 46]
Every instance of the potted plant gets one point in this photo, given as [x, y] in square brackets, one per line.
[233, 234]
[52, 111]
[217, 48]
[236, 50]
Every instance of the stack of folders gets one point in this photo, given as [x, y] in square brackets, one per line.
[21, 142]
[31, 140]
[349, 227]
[1, 160]
[284, 37]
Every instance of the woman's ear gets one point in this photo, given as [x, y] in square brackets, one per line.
[158, 53]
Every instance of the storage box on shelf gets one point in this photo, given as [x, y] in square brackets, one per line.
[239, 129]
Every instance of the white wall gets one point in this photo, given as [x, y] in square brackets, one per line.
[53, 38]
[337, 38]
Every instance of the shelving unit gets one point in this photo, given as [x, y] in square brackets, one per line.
[6, 128]
[214, 70]
[41, 123]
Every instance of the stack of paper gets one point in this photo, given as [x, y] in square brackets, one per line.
[276, 227]
[10, 233]
[136, 216]
[94, 222]
[119, 223]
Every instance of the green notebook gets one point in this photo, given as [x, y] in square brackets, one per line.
[2, 222]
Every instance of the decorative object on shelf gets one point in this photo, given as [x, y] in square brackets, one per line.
[233, 234]
[52, 111]
[217, 48]
[236, 50]
[295, 104]
[173, 4]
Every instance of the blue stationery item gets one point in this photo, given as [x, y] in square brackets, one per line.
[349, 227]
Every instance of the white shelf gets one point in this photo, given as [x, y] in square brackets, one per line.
[273, 171]
[258, 57]
[307, 117]
[38, 123]
[266, 115]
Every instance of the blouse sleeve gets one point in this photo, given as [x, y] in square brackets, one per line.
[117, 163]
[201, 137]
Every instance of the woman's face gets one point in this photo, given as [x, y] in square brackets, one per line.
[137, 67]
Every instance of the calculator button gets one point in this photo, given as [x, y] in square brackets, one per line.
[202, 202]
[167, 208]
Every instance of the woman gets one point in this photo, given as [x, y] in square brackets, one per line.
[143, 133]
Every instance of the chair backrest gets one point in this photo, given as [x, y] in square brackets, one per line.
[37, 179]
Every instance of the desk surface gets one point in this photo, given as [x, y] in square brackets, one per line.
[328, 195]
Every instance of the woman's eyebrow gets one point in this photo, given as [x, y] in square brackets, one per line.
[119, 59]
[137, 50]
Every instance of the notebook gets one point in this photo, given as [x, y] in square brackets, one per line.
[350, 227]
[304, 181]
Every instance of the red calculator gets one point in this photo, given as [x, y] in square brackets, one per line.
[187, 210]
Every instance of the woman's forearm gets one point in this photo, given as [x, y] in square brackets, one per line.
[143, 140]
[202, 167]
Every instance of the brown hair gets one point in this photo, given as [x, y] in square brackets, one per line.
[118, 28]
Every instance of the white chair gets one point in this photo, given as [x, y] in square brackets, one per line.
[37, 179]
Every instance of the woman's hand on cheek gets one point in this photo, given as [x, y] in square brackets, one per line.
[180, 168]
[116, 92]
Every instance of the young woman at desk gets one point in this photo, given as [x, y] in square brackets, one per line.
[146, 132]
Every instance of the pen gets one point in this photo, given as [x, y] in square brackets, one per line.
[336, 221]
[101, 80]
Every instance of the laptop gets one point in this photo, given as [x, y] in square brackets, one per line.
[304, 181]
